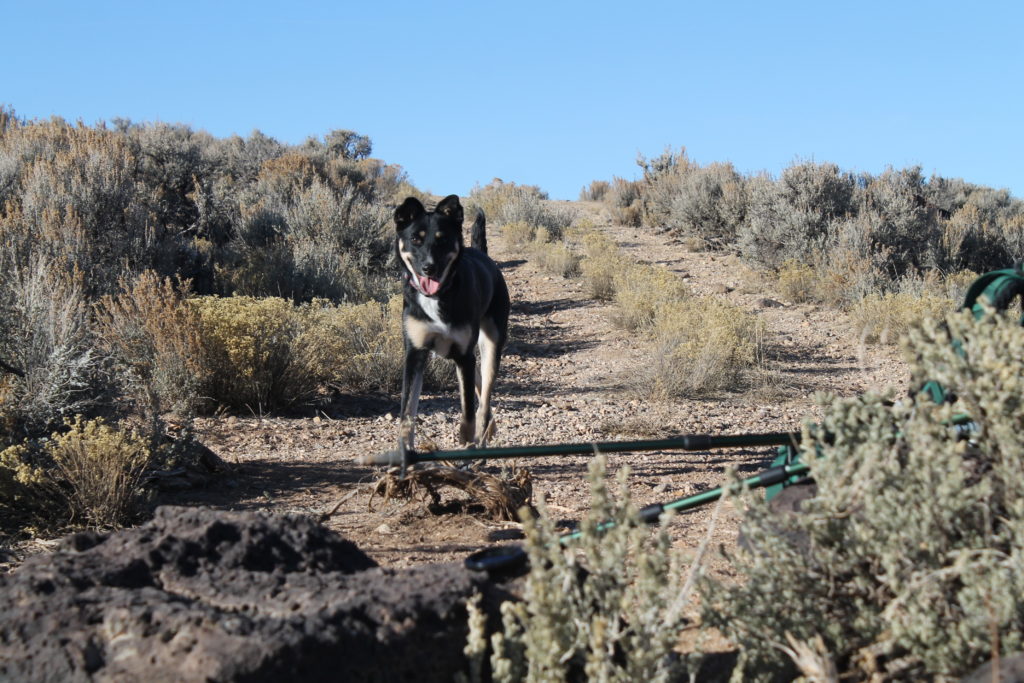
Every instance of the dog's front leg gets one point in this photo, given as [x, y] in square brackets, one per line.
[466, 370]
[412, 385]
[490, 357]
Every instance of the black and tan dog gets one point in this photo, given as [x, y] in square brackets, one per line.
[455, 301]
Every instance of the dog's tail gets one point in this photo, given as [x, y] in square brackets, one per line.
[478, 234]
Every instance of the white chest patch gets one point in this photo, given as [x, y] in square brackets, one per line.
[430, 306]
[435, 334]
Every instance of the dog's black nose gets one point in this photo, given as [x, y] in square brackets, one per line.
[429, 269]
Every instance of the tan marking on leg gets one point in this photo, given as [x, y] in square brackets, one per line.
[418, 332]
[407, 425]
[488, 345]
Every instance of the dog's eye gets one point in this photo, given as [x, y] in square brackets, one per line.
[439, 234]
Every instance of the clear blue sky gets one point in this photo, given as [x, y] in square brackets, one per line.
[555, 93]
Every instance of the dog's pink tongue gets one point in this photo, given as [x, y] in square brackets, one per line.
[429, 286]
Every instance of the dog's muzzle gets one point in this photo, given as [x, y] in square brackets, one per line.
[426, 285]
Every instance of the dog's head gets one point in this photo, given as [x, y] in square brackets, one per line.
[429, 242]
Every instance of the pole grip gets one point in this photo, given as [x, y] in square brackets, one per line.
[650, 514]
[772, 475]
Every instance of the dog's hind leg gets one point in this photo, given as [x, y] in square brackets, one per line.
[466, 370]
[490, 343]
[412, 385]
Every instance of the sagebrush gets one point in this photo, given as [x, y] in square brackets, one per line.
[606, 607]
[910, 564]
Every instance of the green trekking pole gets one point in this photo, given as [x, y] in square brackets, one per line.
[694, 442]
[650, 514]
[504, 558]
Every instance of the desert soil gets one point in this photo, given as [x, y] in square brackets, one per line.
[566, 376]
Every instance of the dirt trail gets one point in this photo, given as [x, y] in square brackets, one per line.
[565, 377]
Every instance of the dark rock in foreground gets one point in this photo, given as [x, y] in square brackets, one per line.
[197, 594]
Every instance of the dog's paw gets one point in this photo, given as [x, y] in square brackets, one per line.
[466, 432]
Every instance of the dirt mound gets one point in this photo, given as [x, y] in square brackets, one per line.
[198, 594]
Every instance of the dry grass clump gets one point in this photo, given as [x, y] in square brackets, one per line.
[103, 470]
[555, 256]
[699, 346]
[641, 291]
[845, 277]
[558, 258]
[885, 319]
[797, 281]
[602, 261]
[519, 233]
[90, 474]
[595, 192]
[624, 198]
[911, 569]
[606, 608]
[499, 497]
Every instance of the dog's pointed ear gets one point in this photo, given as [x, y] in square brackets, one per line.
[450, 208]
[410, 210]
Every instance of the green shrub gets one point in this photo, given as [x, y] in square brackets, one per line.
[355, 347]
[711, 205]
[659, 187]
[302, 238]
[251, 348]
[90, 474]
[791, 218]
[358, 348]
[607, 608]
[910, 562]
[113, 202]
[27, 497]
[270, 353]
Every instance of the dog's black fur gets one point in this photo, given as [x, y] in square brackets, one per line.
[455, 300]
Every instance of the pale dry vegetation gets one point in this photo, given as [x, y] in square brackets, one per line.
[607, 606]
[150, 272]
[905, 565]
[831, 236]
[696, 345]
